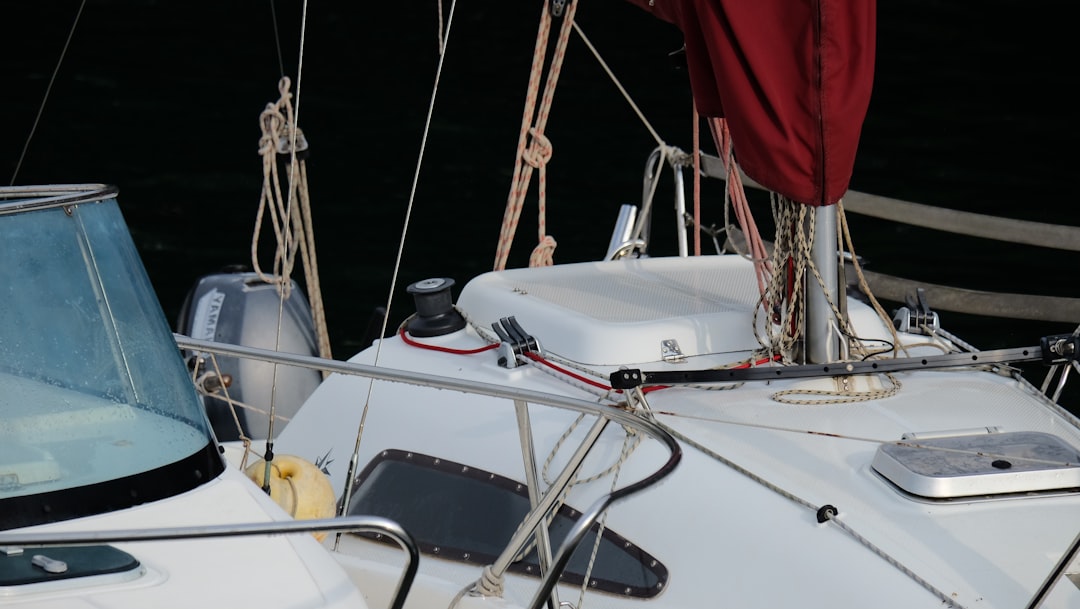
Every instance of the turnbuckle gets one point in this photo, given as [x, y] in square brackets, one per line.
[1060, 348]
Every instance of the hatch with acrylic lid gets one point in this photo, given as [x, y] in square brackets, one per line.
[946, 467]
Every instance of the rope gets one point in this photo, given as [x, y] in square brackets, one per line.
[613, 468]
[535, 152]
[276, 125]
[486, 586]
[668, 152]
[945, 598]
[697, 180]
[758, 253]
[489, 584]
[291, 224]
[839, 396]
[781, 298]
[200, 380]
[614, 79]
[849, 244]
[412, 343]
[627, 448]
[948, 600]
[564, 369]
[792, 259]
[537, 156]
[534, 155]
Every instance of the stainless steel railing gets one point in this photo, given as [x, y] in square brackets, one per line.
[517, 397]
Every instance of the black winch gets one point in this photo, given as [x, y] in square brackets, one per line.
[435, 313]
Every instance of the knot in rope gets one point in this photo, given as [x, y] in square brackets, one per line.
[489, 584]
[543, 253]
[284, 86]
[285, 205]
[675, 155]
[272, 121]
[539, 151]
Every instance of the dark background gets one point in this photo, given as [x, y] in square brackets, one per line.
[970, 111]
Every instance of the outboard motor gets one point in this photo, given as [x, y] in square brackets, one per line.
[239, 308]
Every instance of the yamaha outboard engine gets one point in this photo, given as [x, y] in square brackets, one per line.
[240, 308]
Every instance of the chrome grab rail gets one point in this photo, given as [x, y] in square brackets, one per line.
[432, 380]
[604, 414]
[16, 199]
[354, 524]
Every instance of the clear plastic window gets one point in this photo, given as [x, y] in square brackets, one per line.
[92, 386]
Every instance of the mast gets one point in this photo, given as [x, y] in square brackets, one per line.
[823, 339]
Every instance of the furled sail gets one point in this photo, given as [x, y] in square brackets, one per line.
[792, 78]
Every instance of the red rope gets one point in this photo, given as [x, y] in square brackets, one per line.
[697, 182]
[413, 343]
[536, 358]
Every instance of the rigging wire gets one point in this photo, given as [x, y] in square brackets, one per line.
[277, 39]
[268, 455]
[354, 458]
[48, 90]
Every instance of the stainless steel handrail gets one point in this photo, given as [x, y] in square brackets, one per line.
[432, 380]
[358, 524]
[605, 414]
[14, 199]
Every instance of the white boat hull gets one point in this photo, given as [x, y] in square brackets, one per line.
[737, 521]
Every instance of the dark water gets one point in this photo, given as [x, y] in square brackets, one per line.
[970, 111]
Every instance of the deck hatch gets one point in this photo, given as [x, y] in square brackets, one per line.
[80, 566]
[980, 464]
[465, 514]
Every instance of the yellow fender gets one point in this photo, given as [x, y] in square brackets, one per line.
[298, 486]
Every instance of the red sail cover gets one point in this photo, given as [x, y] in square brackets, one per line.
[792, 78]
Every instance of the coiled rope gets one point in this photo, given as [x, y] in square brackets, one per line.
[289, 210]
[792, 259]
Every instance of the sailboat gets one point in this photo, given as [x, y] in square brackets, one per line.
[748, 428]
